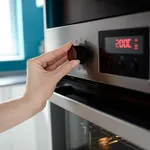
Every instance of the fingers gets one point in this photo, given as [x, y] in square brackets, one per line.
[55, 54]
[66, 68]
[58, 59]
[57, 64]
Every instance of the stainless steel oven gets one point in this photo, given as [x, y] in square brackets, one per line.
[104, 103]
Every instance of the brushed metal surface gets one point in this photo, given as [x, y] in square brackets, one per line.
[128, 131]
[87, 33]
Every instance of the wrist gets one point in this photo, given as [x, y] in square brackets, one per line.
[33, 103]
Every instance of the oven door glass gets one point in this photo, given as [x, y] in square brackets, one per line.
[75, 100]
[71, 132]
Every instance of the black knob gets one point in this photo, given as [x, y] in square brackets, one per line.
[79, 52]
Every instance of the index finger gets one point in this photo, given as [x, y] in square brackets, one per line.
[52, 55]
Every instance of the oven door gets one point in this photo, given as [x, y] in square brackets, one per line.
[82, 120]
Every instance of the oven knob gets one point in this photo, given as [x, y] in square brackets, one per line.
[79, 52]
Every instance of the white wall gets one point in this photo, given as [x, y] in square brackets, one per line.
[5, 138]
[33, 134]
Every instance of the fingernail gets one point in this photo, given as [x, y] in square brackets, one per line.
[70, 42]
[75, 63]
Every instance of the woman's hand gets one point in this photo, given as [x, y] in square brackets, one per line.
[45, 71]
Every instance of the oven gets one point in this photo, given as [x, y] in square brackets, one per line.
[104, 103]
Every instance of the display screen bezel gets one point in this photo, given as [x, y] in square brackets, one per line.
[142, 59]
[142, 31]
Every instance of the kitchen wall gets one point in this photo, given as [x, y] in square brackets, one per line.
[33, 27]
[33, 134]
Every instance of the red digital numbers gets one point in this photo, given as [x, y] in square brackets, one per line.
[123, 43]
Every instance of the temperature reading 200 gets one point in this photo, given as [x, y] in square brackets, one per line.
[123, 43]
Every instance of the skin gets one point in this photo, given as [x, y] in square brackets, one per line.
[43, 73]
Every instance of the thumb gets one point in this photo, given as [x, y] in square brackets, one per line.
[66, 68]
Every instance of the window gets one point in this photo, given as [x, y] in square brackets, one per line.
[9, 45]
[39, 3]
[21, 33]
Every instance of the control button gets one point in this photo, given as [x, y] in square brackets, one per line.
[110, 63]
[121, 65]
[121, 58]
[135, 59]
[134, 67]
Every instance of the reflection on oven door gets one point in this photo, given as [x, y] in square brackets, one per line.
[77, 134]
[84, 135]
[104, 140]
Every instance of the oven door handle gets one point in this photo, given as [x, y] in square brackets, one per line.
[65, 90]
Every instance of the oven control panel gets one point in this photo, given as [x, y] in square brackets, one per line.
[112, 51]
[125, 52]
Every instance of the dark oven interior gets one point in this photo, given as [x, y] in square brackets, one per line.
[71, 132]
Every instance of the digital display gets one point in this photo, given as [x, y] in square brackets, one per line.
[124, 45]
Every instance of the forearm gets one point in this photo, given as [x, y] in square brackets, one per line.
[15, 112]
[43, 74]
